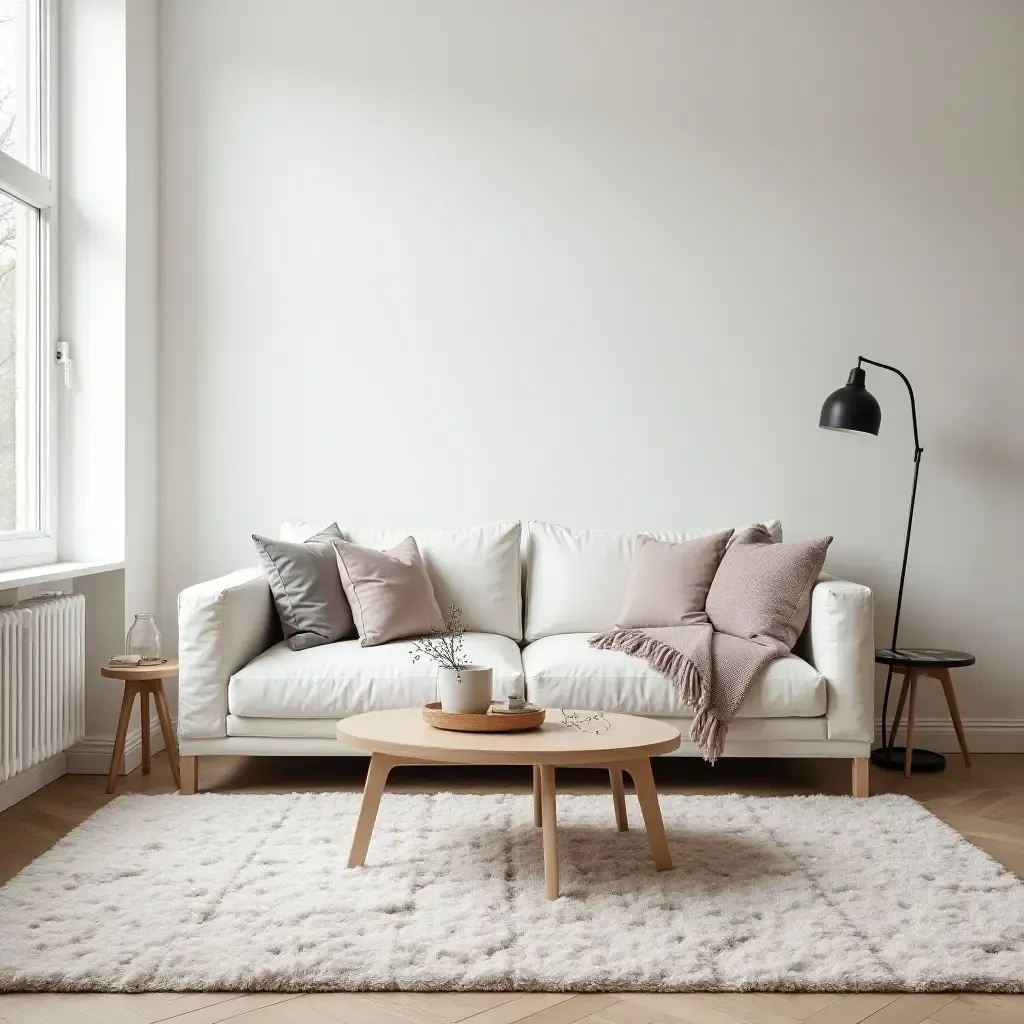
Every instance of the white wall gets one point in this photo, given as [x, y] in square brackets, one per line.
[93, 228]
[601, 262]
[109, 185]
[141, 313]
[109, 175]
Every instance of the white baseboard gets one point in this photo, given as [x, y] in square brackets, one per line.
[92, 755]
[984, 735]
[26, 783]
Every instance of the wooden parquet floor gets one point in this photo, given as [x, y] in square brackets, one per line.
[985, 804]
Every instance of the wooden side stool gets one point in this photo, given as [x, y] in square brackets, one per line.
[144, 680]
[914, 663]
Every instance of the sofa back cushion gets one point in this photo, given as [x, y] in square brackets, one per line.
[477, 568]
[576, 579]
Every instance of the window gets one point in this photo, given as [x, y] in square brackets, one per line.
[28, 219]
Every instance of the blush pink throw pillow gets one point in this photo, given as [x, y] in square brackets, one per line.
[390, 593]
[669, 582]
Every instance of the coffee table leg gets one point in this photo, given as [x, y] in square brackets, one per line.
[538, 818]
[376, 777]
[547, 799]
[643, 783]
[619, 799]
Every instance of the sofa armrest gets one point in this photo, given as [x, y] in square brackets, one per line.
[222, 625]
[840, 644]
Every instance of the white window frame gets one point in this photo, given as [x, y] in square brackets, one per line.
[39, 398]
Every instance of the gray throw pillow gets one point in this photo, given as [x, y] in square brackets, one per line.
[762, 590]
[308, 595]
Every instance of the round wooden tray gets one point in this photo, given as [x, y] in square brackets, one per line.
[455, 722]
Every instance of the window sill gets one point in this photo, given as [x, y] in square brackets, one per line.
[12, 578]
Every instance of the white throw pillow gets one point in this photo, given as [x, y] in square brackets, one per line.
[477, 568]
[576, 579]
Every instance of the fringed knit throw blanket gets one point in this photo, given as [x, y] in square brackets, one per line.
[712, 670]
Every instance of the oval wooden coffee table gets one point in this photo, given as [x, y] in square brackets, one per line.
[621, 743]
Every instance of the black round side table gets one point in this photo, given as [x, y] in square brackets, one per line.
[914, 663]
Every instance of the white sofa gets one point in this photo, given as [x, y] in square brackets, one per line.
[530, 599]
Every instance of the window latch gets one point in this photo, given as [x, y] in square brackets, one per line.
[64, 358]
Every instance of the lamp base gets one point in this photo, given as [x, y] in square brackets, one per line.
[894, 759]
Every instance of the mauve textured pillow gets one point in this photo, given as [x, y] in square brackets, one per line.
[307, 592]
[389, 591]
[762, 590]
[669, 582]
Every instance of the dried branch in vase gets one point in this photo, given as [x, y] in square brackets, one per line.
[443, 646]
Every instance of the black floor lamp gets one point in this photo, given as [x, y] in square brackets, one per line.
[854, 408]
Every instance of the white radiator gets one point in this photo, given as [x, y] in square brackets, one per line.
[42, 680]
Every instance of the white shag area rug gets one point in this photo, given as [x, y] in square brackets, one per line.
[252, 892]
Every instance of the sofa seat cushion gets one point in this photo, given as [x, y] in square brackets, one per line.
[343, 678]
[563, 671]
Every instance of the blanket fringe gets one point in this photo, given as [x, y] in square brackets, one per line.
[662, 658]
[707, 732]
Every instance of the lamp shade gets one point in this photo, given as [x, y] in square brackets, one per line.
[852, 407]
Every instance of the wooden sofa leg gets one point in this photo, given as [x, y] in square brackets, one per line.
[189, 767]
[861, 776]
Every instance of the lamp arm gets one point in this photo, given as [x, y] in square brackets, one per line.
[910, 390]
[918, 450]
